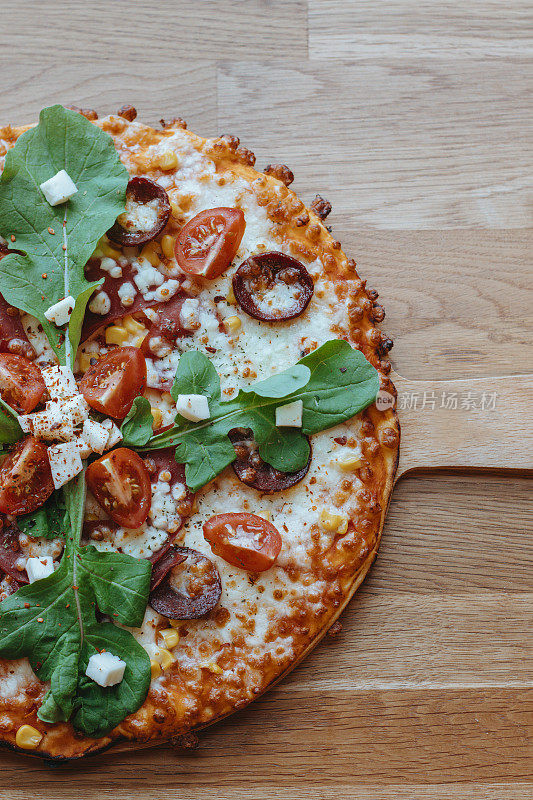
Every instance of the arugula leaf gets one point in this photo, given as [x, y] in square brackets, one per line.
[63, 139]
[137, 426]
[49, 521]
[10, 430]
[58, 630]
[334, 382]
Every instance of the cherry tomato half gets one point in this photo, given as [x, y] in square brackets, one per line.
[25, 478]
[21, 383]
[113, 383]
[244, 540]
[121, 485]
[208, 243]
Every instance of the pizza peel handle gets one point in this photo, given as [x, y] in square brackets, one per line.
[477, 423]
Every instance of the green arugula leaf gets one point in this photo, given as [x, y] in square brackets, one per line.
[52, 266]
[334, 383]
[10, 430]
[49, 521]
[53, 622]
[137, 426]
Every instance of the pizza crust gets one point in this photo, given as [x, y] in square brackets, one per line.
[186, 699]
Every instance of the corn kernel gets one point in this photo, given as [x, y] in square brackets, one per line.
[350, 463]
[214, 668]
[333, 522]
[165, 658]
[155, 668]
[174, 623]
[28, 737]
[176, 209]
[167, 246]
[109, 251]
[157, 419]
[133, 326]
[230, 297]
[149, 253]
[168, 160]
[137, 342]
[232, 324]
[116, 335]
[84, 361]
[170, 637]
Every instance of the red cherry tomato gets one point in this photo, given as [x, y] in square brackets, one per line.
[21, 383]
[120, 484]
[113, 383]
[208, 243]
[244, 540]
[25, 478]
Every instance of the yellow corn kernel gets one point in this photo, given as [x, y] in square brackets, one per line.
[157, 419]
[167, 246]
[155, 668]
[28, 737]
[333, 522]
[230, 297]
[232, 324]
[116, 335]
[84, 361]
[109, 251]
[176, 209]
[133, 326]
[174, 623]
[170, 637]
[149, 253]
[165, 658]
[168, 160]
[137, 342]
[265, 514]
[350, 463]
[214, 668]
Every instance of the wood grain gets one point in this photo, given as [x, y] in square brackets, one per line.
[412, 117]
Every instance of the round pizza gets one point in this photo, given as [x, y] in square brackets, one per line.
[197, 430]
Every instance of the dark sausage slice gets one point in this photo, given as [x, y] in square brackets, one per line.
[253, 471]
[273, 287]
[13, 337]
[147, 212]
[185, 584]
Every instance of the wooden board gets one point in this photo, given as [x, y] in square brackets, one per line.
[411, 117]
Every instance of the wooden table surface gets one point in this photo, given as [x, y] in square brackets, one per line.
[413, 118]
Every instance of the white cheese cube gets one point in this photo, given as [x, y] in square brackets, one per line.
[167, 290]
[105, 669]
[52, 424]
[83, 446]
[290, 415]
[100, 304]
[127, 293]
[59, 381]
[193, 407]
[95, 435]
[59, 189]
[38, 568]
[60, 312]
[114, 434]
[25, 422]
[189, 317]
[75, 408]
[65, 462]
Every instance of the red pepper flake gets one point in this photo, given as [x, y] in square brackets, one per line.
[44, 276]
[51, 231]
[40, 619]
[64, 247]
[26, 605]
[67, 605]
[13, 237]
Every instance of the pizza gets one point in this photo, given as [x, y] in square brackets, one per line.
[197, 430]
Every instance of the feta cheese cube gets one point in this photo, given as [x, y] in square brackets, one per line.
[60, 312]
[96, 435]
[59, 188]
[105, 669]
[290, 415]
[52, 424]
[65, 462]
[59, 381]
[193, 407]
[100, 304]
[38, 568]
[75, 408]
[114, 434]
[83, 446]
[25, 422]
